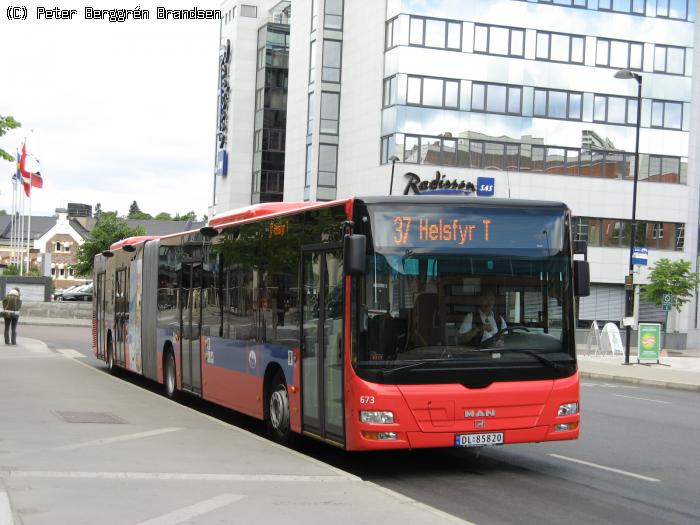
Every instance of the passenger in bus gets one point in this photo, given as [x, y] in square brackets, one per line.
[483, 324]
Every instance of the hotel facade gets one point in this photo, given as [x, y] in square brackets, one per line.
[324, 99]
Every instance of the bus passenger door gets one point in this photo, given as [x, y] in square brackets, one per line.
[322, 343]
[100, 306]
[191, 327]
[121, 315]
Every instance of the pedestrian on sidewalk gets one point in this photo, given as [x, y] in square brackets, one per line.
[11, 305]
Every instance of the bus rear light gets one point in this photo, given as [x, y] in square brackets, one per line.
[380, 436]
[376, 417]
[565, 427]
[568, 409]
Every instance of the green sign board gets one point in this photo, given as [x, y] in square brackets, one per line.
[649, 343]
[666, 307]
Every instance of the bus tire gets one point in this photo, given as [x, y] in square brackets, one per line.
[111, 367]
[278, 417]
[170, 375]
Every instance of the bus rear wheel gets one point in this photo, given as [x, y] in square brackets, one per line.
[169, 373]
[278, 427]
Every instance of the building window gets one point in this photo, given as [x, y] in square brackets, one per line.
[614, 110]
[496, 40]
[333, 18]
[392, 34]
[310, 113]
[559, 47]
[327, 164]
[619, 54]
[432, 92]
[61, 272]
[331, 60]
[677, 9]
[666, 114]
[496, 98]
[669, 59]
[71, 272]
[314, 15]
[58, 247]
[330, 107]
[570, 3]
[432, 32]
[312, 62]
[389, 98]
[637, 7]
[551, 103]
[661, 169]
[53, 271]
[249, 11]
[258, 140]
[309, 165]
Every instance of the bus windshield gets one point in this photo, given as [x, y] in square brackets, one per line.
[465, 288]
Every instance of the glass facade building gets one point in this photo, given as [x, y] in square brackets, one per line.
[519, 97]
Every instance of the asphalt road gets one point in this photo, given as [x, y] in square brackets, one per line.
[637, 461]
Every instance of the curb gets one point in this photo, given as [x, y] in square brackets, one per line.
[639, 381]
[45, 321]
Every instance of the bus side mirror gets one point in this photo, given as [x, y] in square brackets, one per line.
[582, 279]
[581, 248]
[354, 259]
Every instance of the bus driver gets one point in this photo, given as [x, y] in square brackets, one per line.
[483, 325]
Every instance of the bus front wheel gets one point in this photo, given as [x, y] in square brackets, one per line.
[278, 427]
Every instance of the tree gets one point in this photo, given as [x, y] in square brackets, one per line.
[3, 212]
[7, 123]
[164, 216]
[108, 229]
[98, 210]
[672, 277]
[189, 216]
[136, 213]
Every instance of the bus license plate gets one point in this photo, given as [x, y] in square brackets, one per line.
[479, 440]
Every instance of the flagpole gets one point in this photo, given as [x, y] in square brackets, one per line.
[12, 223]
[29, 230]
[20, 238]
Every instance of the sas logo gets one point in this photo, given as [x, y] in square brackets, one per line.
[485, 186]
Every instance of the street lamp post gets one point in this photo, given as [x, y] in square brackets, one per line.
[393, 160]
[626, 74]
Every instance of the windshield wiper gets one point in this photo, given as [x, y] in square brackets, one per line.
[542, 359]
[387, 372]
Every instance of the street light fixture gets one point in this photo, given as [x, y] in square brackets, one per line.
[393, 160]
[626, 74]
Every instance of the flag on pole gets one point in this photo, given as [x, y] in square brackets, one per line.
[29, 178]
[17, 175]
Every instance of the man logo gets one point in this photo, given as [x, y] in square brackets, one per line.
[479, 423]
[489, 412]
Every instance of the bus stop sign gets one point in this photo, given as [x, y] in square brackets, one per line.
[667, 301]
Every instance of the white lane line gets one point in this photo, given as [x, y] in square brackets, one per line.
[192, 511]
[70, 353]
[5, 510]
[173, 476]
[117, 439]
[603, 467]
[645, 399]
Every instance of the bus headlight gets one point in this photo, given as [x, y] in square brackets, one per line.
[568, 409]
[376, 417]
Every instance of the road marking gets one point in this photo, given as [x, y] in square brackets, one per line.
[174, 476]
[5, 510]
[645, 399]
[603, 467]
[192, 511]
[117, 439]
[417, 504]
[70, 353]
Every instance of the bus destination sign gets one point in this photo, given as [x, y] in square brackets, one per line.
[411, 230]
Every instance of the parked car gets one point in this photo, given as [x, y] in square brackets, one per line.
[81, 293]
[58, 294]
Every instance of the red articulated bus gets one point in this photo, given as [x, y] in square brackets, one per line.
[368, 323]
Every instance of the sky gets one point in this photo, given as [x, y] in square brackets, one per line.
[115, 112]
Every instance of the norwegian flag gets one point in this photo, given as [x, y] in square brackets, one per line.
[29, 178]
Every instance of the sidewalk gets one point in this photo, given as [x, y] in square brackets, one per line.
[79, 446]
[674, 372]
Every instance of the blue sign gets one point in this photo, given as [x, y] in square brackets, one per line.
[485, 186]
[640, 256]
[222, 162]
